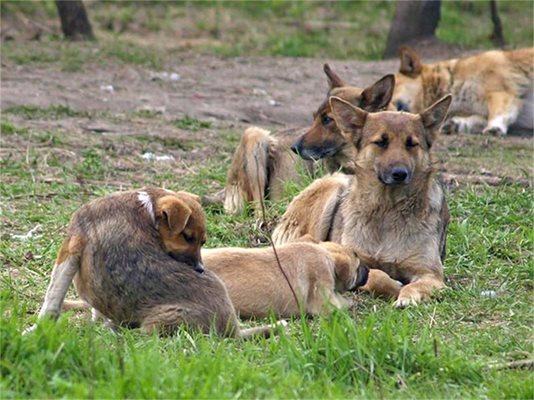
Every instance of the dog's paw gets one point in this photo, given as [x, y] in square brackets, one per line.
[494, 131]
[282, 323]
[405, 302]
[409, 297]
[449, 128]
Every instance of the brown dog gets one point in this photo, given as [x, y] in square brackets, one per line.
[135, 258]
[491, 91]
[317, 272]
[263, 162]
[392, 212]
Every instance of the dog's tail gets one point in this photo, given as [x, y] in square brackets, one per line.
[248, 175]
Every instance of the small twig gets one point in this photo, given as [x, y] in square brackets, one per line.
[269, 236]
[481, 179]
[519, 364]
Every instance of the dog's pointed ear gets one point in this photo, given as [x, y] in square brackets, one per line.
[433, 117]
[173, 212]
[334, 80]
[410, 62]
[348, 117]
[378, 95]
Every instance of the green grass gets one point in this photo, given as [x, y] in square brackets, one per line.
[51, 112]
[442, 349]
[191, 124]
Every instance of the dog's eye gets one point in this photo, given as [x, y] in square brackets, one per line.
[325, 120]
[383, 142]
[188, 238]
[410, 144]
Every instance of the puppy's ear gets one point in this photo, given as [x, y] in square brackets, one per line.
[410, 62]
[378, 95]
[188, 195]
[433, 116]
[334, 80]
[173, 212]
[349, 119]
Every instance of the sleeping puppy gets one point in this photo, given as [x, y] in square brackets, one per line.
[318, 273]
[135, 259]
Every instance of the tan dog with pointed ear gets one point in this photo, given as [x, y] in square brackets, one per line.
[492, 91]
[264, 162]
[135, 259]
[392, 211]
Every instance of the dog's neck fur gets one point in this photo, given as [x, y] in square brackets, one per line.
[437, 81]
[372, 196]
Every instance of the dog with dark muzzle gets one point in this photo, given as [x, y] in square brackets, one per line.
[392, 211]
[135, 259]
[264, 162]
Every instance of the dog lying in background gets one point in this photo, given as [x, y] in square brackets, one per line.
[491, 91]
[263, 162]
[135, 258]
[317, 272]
[392, 211]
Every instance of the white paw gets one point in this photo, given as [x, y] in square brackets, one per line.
[283, 323]
[405, 300]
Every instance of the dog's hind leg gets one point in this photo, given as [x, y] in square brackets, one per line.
[503, 110]
[67, 265]
[419, 289]
[62, 276]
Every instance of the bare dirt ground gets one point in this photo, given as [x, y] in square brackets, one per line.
[230, 93]
[260, 90]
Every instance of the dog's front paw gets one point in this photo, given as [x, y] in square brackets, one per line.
[494, 131]
[409, 297]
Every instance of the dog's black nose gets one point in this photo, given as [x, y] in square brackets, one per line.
[402, 106]
[295, 147]
[199, 267]
[400, 174]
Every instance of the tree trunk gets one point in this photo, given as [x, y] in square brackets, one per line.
[74, 22]
[413, 20]
[497, 36]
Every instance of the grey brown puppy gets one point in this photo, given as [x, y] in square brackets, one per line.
[135, 259]
[318, 274]
[264, 162]
[392, 211]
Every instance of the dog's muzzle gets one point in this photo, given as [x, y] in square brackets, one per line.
[396, 175]
[196, 264]
[313, 153]
[402, 106]
[199, 267]
[362, 276]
